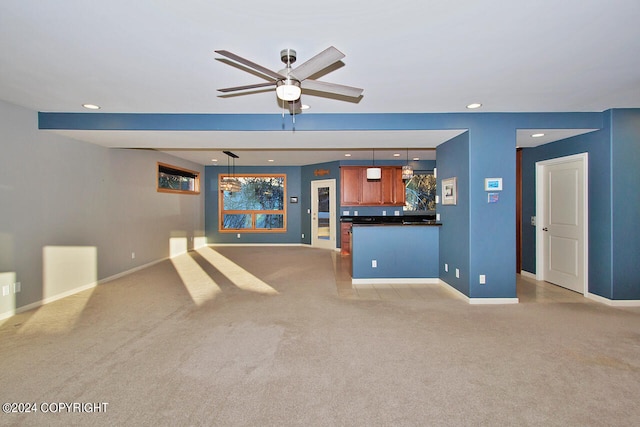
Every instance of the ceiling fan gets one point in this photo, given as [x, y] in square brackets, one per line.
[289, 82]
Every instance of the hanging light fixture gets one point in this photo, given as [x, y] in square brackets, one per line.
[407, 170]
[288, 89]
[230, 183]
[374, 172]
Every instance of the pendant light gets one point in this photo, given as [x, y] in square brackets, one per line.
[374, 172]
[407, 170]
[230, 183]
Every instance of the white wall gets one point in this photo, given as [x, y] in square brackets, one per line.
[72, 213]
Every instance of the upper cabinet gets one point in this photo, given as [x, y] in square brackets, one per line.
[357, 190]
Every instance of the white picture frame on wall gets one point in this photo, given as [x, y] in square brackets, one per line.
[449, 191]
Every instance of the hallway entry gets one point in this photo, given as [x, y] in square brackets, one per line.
[561, 211]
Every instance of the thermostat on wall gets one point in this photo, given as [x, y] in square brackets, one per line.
[493, 184]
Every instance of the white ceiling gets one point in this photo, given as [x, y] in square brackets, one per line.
[409, 56]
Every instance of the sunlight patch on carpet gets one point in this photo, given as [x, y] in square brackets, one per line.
[198, 283]
[235, 273]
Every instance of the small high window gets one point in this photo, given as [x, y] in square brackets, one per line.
[173, 179]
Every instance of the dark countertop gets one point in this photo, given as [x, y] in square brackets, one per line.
[391, 220]
[401, 224]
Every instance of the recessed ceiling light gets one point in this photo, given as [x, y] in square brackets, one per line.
[474, 105]
[347, 155]
[415, 159]
[537, 135]
[396, 155]
[91, 106]
[271, 160]
[214, 160]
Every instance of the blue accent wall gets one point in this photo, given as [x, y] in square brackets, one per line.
[294, 214]
[625, 186]
[402, 251]
[453, 161]
[492, 154]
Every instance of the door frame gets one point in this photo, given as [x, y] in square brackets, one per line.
[541, 216]
[333, 203]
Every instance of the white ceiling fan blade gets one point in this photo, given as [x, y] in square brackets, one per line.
[254, 86]
[319, 86]
[319, 62]
[251, 64]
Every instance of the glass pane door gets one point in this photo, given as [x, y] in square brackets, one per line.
[323, 213]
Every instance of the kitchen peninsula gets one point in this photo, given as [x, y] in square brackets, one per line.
[393, 248]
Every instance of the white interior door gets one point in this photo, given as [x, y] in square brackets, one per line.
[562, 222]
[323, 213]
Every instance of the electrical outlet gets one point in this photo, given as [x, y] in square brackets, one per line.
[17, 287]
[238, 236]
[133, 255]
[457, 273]
[437, 217]
[483, 279]
[303, 235]
[384, 213]
[374, 263]
[355, 213]
[5, 290]
[446, 267]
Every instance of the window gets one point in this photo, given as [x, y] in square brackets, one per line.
[420, 193]
[172, 179]
[253, 203]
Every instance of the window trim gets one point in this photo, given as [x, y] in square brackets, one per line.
[182, 172]
[253, 213]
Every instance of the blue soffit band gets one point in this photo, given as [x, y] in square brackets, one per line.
[311, 122]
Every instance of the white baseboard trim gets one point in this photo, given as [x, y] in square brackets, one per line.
[527, 274]
[74, 291]
[395, 281]
[42, 302]
[480, 301]
[259, 244]
[614, 302]
[454, 290]
[132, 270]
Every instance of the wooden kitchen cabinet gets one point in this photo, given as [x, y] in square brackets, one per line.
[357, 190]
[345, 238]
[371, 190]
[350, 182]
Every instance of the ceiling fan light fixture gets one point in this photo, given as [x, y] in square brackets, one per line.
[288, 89]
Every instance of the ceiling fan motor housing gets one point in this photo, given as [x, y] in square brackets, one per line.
[288, 56]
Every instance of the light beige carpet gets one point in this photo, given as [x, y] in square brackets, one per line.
[258, 336]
